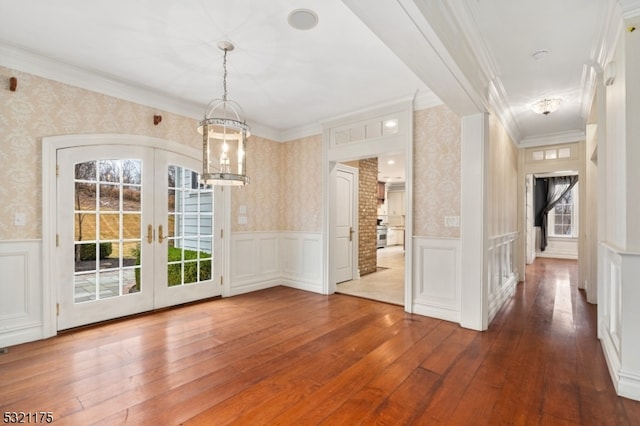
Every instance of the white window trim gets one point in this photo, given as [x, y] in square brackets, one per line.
[551, 219]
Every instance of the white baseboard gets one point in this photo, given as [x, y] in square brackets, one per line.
[302, 285]
[497, 300]
[249, 286]
[433, 311]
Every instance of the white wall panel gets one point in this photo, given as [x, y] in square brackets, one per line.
[243, 257]
[618, 317]
[254, 261]
[291, 261]
[311, 258]
[21, 292]
[501, 273]
[268, 246]
[303, 261]
[436, 278]
[266, 259]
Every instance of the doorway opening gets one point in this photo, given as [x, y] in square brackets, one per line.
[557, 235]
[380, 250]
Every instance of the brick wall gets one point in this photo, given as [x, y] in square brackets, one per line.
[368, 213]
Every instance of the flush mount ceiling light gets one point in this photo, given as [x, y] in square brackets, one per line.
[303, 19]
[224, 137]
[546, 106]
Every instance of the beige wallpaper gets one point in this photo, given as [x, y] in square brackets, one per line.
[286, 189]
[502, 189]
[436, 171]
[301, 209]
[42, 107]
[263, 196]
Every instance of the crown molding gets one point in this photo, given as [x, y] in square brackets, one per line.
[553, 139]
[300, 132]
[630, 8]
[496, 99]
[426, 99]
[32, 63]
[500, 106]
[601, 53]
[22, 60]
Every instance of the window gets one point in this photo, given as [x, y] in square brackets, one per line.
[563, 217]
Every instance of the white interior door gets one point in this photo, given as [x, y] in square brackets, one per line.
[135, 232]
[346, 190]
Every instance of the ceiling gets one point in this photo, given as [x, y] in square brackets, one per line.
[475, 55]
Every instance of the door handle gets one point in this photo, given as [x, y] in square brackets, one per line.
[150, 234]
[160, 236]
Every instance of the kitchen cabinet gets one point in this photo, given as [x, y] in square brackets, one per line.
[396, 209]
[395, 236]
[381, 192]
[396, 203]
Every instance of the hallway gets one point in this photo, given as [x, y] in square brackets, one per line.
[285, 356]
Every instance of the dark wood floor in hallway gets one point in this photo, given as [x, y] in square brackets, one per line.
[283, 356]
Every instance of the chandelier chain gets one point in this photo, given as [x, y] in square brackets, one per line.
[224, 78]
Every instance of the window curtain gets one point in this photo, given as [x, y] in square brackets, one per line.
[558, 188]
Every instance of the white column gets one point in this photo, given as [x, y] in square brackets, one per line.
[473, 221]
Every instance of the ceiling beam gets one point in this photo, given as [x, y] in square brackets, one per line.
[403, 27]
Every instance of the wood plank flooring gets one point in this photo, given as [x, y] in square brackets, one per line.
[284, 357]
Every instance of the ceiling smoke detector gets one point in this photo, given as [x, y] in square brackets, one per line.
[303, 19]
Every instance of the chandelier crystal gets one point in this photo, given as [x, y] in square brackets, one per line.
[224, 137]
[546, 106]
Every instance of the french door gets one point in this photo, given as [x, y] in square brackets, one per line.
[136, 231]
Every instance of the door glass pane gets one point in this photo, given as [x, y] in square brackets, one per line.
[190, 225]
[108, 229]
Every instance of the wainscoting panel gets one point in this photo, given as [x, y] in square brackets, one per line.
[302, 263]
[265, 259]
[436, 280]
[254, 261]
[619, 316]
[21, 289]
[502, 274]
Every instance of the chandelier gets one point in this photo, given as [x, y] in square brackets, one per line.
[224, 137]
[546, 106]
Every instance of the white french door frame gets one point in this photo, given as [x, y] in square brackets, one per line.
[50, 146]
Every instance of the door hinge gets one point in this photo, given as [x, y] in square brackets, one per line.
[221, 280]
[57, 309]
[57, 170]
[222, 233]
[57, 240]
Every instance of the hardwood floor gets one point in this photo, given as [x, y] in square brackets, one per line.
[283, 356]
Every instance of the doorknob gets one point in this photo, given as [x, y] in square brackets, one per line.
[150, 234]
[160, 236]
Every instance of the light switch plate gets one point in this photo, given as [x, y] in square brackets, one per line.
[20, 219]
[452, 221]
